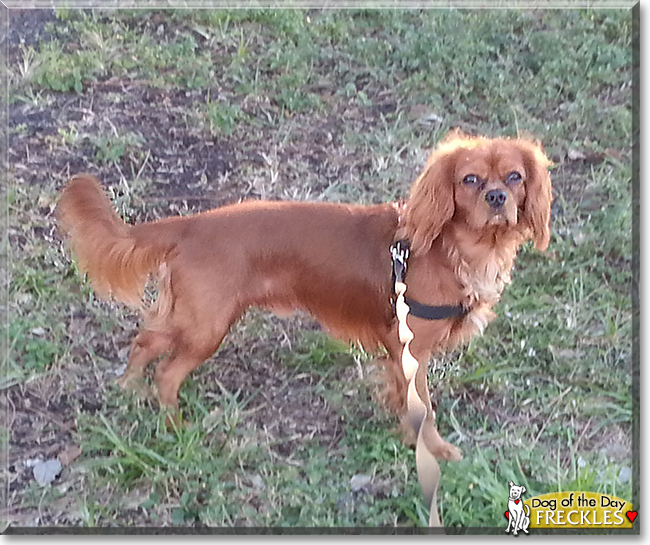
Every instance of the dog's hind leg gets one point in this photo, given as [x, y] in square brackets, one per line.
[517, 523]
[192, 346]
[147, 346]
[170, 374]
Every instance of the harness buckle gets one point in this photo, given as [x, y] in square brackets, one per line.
[400, 251]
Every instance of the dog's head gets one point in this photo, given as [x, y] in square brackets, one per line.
[516, 491]
[489, 185]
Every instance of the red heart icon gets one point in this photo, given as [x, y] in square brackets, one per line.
[631, 515]
[507, 514]
[516, 502]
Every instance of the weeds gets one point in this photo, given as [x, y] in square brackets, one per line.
[178, 111]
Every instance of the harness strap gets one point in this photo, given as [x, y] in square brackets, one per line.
[400, 252]
[429, 312]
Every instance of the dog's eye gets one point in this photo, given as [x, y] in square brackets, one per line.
[514, 178]
[471, 179]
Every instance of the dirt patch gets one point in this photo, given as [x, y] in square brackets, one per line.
[27, 27]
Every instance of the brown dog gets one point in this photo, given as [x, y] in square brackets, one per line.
[466, 216]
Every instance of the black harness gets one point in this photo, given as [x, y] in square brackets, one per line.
[400, 252]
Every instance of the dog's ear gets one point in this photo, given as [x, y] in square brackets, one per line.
[431, 201]
[455, 133]
[510, 483]
[539, 194]
[523, 489]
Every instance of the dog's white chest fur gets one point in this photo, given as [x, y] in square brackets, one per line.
[483, 282]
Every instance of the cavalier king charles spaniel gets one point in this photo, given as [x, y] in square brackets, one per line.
[476, 202]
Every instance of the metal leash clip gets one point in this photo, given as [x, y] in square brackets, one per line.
[400, 252]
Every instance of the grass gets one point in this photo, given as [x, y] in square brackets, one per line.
[179, 111]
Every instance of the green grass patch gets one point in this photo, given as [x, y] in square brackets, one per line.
[179, 110]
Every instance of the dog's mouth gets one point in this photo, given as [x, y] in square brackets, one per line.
[498, 219]
[506, 216]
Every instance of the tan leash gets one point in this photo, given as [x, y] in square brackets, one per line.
[421, 415]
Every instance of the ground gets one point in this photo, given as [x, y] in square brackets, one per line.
[178, 112]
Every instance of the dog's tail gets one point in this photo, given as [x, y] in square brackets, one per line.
[116, 257]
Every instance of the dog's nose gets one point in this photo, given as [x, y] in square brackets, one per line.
[496, 198]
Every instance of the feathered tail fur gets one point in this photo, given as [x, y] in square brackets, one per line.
[115, 258]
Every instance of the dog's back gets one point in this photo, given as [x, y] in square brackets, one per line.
[329, 259]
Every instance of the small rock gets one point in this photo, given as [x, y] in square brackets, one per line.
[575, 155]
[360, 482]
[578, 237]
[257, 482]
[46, 472]
[625, 474]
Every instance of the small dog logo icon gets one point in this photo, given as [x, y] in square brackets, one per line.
[518, 519]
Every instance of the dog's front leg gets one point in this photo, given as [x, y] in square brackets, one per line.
[516, 523]
[510, 519]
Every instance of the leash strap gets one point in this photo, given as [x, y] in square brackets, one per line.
[421, 413]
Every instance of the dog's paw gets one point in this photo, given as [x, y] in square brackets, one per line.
[449, 452]
[174, 421]
[126, 381]
[407, 434]
[135, 384]
[437, 445]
